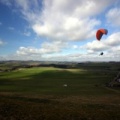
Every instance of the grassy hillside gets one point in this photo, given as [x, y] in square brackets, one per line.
[52, 80]
[39, 93]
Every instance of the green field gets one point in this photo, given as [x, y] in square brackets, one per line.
[38, 93]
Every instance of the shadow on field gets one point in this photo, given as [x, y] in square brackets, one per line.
[52, 81]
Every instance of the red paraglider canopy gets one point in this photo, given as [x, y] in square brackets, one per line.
[100, 33]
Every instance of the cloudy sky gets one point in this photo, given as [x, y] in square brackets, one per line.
[59, 30]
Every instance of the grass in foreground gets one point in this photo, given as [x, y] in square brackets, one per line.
[39, 94]
[60, 108]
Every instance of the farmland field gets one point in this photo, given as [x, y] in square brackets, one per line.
[51, 93]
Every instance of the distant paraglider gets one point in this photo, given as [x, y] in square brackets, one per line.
[100, 33]
[101, 53]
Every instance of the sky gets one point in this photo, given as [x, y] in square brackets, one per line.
[59, 30]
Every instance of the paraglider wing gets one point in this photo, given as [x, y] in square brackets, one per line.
[100, 33]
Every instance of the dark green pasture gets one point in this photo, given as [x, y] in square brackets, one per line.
[39, 93]
[51, 81]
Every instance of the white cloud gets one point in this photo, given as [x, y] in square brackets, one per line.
[11, 28]
[26, 51]
[111, 43]
[84, 57]
[7, 2]
[27, 33]
[115, 52]
[75, 47]
[95, 46]
[1, 43]
[62, 19]
[89, 52]
[113, 40]
[46, 48]
[69, 20]
[113, 16]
